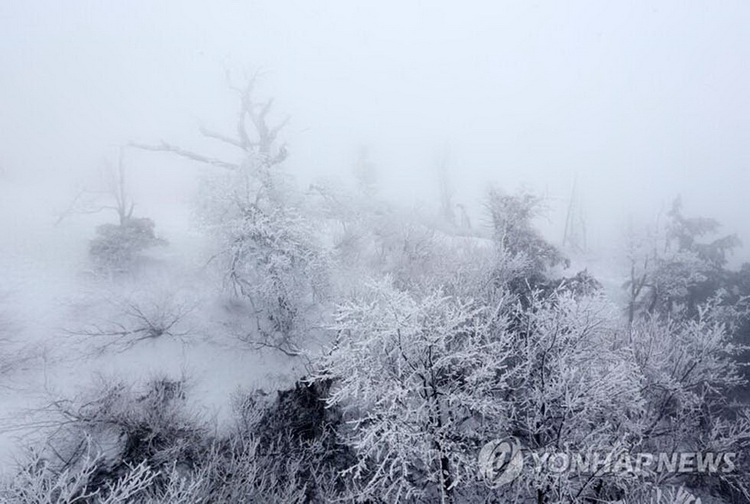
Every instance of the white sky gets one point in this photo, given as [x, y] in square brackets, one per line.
[642, 100]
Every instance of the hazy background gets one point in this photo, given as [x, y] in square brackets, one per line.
[640, 100]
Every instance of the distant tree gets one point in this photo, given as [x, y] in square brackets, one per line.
[680, 270]
[366, 173]
[111, 196]
[269, 255]
[519, 243]
[574, 234]
[465, 220]
[513, 229]
[673, 274]
[259, 153]
[117, 248]
[446, 192]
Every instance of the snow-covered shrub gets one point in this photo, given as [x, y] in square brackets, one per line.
[298, 425]
[117, 247]
[141, 444]
[111, 445]
[128, 425]
[39, 482]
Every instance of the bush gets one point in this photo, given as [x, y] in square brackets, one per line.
[117, 247]
[139, 444]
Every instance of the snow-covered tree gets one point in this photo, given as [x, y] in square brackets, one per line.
[267, 250]
[513, 230]
[117, 247]
[675, 272]
[425, 381]
[423, 385]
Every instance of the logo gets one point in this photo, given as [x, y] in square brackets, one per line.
[501, 461]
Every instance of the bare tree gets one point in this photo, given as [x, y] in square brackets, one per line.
[574, 235]
[113, 196]
[365, 172]
[117, 247]
[135, 321]
[254, 180]
[446, 190]
[260, 148]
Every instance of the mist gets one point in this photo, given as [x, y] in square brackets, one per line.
[641, 102]
[609, 110]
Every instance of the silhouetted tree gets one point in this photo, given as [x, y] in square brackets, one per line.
[677, 276]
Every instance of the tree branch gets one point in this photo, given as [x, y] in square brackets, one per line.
[240, 144]
[165, 147]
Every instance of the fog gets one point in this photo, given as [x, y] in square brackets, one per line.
[642, 102]
[617, 107]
